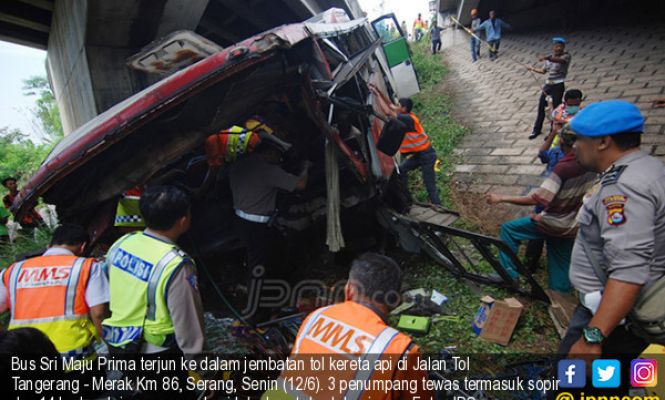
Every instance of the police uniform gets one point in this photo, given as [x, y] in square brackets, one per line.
[155, 305]
[622, 222]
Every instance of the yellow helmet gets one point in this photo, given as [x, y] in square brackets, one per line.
[256, 123]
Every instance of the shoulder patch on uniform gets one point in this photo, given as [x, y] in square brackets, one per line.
[193, 281]
[615, 214]
[614, 199]
[612, 177]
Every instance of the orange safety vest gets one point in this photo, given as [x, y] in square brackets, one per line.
[48, 293]
[229, 144]
[415, 141]
[343, 333]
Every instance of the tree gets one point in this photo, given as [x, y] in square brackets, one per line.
[19, 156]
[46, 112]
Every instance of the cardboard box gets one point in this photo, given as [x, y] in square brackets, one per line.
[561, 309]
[495, 320]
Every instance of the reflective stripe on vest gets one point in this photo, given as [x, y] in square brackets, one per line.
[70, 296]
[374, 352]
[230, 144]
[343, 330]
[372, 355]
[43, 288]
[154, 280]
[415, 141]
[128, 213]
[140, 267]
[310, 322]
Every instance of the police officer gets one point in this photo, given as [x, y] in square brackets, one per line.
[155, 302]
[621, 230]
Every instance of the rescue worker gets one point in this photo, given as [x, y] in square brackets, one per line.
[419, 28]
[31, 219]
[493, 28]
[33, 295]
[255, 181]
[550, 153]
[556, 67]
[475, 42]
[371, 292]
[60, 293]
[227, 146]
[155, 302]
[621, 226]
[128, 217]
[416, 146]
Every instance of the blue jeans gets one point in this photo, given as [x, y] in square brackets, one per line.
[424, 160]
[559, 251]
[475, 48]
[495, 45]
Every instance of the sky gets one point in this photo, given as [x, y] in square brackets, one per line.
[18, 63]
[21, 62]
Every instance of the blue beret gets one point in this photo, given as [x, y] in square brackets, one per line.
[607, 118]
[558, 39]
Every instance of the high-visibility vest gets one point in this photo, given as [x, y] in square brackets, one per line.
[139, 269]
[227, 145]
[48, 293]
[415, 141]
[343, 331]
[128, 212]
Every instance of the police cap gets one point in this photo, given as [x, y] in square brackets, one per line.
[607, 118]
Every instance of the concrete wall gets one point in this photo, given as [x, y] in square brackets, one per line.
[92, 39]
[67, 64]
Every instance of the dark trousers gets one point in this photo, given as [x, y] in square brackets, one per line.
[621, 344]
[257, 239]
[494, 51]
[436, 46]
[556, 92]
[424, 160]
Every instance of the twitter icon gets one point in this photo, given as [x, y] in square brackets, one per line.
[606, 374]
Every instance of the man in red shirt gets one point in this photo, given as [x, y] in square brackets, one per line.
[31, 219]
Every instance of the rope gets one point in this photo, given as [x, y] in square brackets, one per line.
[491, 48]
[334, 238]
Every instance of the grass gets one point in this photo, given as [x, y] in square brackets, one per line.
[22, 245]
[535, 332]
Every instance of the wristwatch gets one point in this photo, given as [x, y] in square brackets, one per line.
[593, 335]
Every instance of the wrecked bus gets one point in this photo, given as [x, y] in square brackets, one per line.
[314, 75]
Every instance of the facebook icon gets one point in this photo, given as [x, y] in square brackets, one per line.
[572, 374]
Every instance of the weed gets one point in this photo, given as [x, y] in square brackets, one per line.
[535, 331]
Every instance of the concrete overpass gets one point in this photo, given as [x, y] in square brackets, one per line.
[89, 41]
[535, 15]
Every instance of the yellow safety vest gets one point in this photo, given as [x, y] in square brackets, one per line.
[140, 267]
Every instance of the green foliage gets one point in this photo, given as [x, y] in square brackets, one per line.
[46, 112]
[433, 107]
[24, 245]
[535, 332]
[20, 155]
